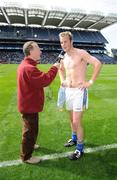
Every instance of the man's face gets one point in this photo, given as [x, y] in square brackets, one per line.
[35, 52]
[65, 42]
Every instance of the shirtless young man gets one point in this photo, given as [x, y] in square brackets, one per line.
[73, 77]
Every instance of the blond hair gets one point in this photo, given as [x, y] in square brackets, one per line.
[66, 33]
[27, 47]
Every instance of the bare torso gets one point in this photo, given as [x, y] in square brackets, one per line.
[75, 68]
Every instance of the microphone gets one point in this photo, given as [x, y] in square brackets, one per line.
[60, 56]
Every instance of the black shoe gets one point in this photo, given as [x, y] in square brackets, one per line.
[70, 143]
[76, 155]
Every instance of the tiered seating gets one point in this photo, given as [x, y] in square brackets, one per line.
[13, 37]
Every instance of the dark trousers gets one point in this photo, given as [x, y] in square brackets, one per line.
[29, 134]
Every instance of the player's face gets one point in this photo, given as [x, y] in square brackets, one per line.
[66, 43]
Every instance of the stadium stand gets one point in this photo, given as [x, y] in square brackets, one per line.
[85, 28]
[114, 53]
[12, 40]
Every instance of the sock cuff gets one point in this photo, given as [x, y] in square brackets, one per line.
[74, 133]
[74, 136]
[80, 142]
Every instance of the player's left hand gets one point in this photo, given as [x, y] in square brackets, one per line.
[84, 85]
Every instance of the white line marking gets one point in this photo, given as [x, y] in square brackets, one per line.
[59, 155]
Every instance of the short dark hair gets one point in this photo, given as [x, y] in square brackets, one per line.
[27, 47]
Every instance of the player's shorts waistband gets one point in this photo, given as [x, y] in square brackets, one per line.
[74, 88]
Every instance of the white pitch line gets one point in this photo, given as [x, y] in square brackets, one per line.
[59, 155]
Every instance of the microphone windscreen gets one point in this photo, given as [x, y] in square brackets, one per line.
[60, 56]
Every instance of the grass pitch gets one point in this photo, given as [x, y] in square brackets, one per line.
[99, 123]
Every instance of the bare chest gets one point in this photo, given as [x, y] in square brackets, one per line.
[72, 63]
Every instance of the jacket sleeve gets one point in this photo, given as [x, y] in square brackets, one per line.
[40, 79]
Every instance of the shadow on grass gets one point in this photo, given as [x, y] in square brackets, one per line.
[100, 165]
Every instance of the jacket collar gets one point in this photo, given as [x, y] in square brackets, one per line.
[30, 61]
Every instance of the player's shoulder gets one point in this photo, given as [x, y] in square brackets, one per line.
[81, 51]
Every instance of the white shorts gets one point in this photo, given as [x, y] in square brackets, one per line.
[76, 99]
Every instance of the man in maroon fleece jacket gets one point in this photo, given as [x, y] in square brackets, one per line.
[31, 82]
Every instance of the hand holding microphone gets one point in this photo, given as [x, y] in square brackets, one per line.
[60, 56]
[57, 65]
[58, 59]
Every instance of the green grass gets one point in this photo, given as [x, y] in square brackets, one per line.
[99, 123]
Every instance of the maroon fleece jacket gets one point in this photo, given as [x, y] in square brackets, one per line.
[30, 84]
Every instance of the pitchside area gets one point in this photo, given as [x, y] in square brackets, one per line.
[100, 122]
